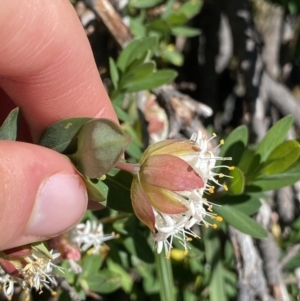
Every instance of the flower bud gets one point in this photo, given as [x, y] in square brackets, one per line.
[101, 143]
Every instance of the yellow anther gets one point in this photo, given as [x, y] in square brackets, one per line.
[53, 293]
[211, 189]
[185, 252]
[215, 226]
[231, 167]
[168, 255]
[222, 141]
[214, 135]
[103, 177]
[206, 226]
[225, 187]
[189, 239]
[219, 218]
[221, 175]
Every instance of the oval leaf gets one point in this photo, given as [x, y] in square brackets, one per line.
[283, 156]
[151, 81]
[235, 144]
[241, 221]
[104, 281]
[118, 197]
[101, 143]
[96, 191]
[273, 138]
[62, 136]
[237, 182]
[9, 128]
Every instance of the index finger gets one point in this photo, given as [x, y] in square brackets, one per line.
[46, 64]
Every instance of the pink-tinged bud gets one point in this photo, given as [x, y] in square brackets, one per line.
[67, 249]
[162, 177]
[9, 268]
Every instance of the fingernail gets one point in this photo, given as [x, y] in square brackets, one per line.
[61, 201]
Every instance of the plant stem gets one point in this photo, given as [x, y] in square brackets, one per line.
[131, 168]
[165, 277]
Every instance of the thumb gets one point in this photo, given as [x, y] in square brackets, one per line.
[41, 195]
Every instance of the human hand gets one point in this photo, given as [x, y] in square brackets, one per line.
[47, 69]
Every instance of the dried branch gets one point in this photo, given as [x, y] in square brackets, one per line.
[252, 282]
[281, 98]
[292, 252]
[106, 12]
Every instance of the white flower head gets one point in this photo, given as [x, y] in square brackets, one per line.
[34, 271]
[91, 235]
[168, 191]
[179, 225]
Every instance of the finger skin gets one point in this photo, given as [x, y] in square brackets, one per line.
[46, 64]
[20, 186]
[47, 69]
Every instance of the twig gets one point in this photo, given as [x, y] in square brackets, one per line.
[106, 12]
[252, 282]
[292, 252]
[282, 98]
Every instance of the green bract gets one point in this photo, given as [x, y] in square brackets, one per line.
[101, 144]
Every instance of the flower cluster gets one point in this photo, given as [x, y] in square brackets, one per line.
[91, 235]
[28, 267]
[168, 190]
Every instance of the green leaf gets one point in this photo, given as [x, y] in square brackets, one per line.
[245, 160]
[126, 279]
[273, 138]
[101, 143]
[137, 73]
[235, 144]
[282, 157]
[237, 182]
[159, 25]
[151, 81]
[104, 281]
[276, 181]
[190, 8]
[122, 115]
[114, 75]
[246, 203]
[137, 245]
[40, 247]
[96, 191]
[118, 197]
[185, 31]
[62, 135]
[91, 264]
[212, 246]
[241, 221]
[137, 28]
[9, 128]
[135, 50]
[144, 3]
[176, 19]
[134, 150]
